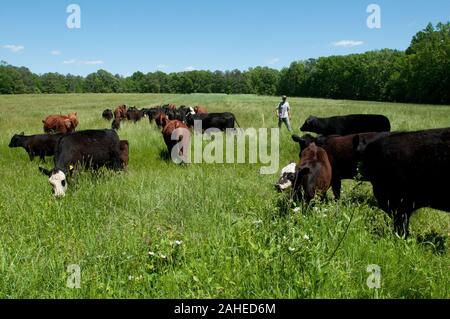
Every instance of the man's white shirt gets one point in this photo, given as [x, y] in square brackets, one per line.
[283, 109]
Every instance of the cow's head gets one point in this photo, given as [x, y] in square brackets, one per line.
[303, 141]
[57, 179]
[287, 177]
[309, 124]
[16, 140]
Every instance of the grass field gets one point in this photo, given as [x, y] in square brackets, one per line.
[204, 231]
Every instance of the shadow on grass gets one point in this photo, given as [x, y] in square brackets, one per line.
[436, 242]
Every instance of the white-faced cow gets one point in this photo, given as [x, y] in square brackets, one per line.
[90, 149]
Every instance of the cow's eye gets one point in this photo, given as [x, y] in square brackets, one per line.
[63, 183]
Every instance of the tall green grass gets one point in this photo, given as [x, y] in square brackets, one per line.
[204, 231]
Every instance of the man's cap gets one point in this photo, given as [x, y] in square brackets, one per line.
[284, 97]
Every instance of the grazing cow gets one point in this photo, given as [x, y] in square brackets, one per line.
[176, 134]
[409, 171]
[151, 113]
[108, 114]
[160, 119]
[134, 115]
[60, 123]
[341, 153]
[221, 121]
[115, 125]
[120, 112]
[92, 148]
[347, 125]
[313, 173]
[200, 110]
[287, 177]
[36, 145]
[124, 152]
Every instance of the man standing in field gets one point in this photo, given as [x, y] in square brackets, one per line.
[284, 113]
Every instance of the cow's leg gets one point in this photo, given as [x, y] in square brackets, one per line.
[401, 218]
[31, 156]
[336, 186]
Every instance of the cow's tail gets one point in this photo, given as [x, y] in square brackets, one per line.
[237, 123]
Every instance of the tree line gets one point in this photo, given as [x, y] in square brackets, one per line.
[418, 75]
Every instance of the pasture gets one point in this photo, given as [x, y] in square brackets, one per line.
[204, 230]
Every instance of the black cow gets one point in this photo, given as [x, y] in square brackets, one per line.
[341, 152]
[108, 114]
[221, 121]
[41, 145]
[91, 149]
[409, 171]
[347, 125]
[134, 115]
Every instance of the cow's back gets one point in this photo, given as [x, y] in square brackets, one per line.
[91, 147]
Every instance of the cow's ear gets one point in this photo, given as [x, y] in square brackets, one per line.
[296, 138]
[22, 134]
[44, 171]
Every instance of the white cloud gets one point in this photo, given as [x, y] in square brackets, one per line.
[347, 43]
[73, 61]
[273, 61]
[55, 52]
[190, 68]
[93, 62]
[13, 48]
[161, 66]
[90, 62]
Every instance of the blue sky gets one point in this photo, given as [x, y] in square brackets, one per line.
[176, 35]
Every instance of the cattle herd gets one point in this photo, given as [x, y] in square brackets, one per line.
[103, 148]
[408, 170]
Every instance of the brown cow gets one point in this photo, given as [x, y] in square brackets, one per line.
[200, 110]
[124, 151]
[115, 125]
[121, 112]
[160, 119]
[60, 123]
[176, 134]
[313, 173]
[341, 152]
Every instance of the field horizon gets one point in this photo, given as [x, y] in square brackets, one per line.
[161, 230]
